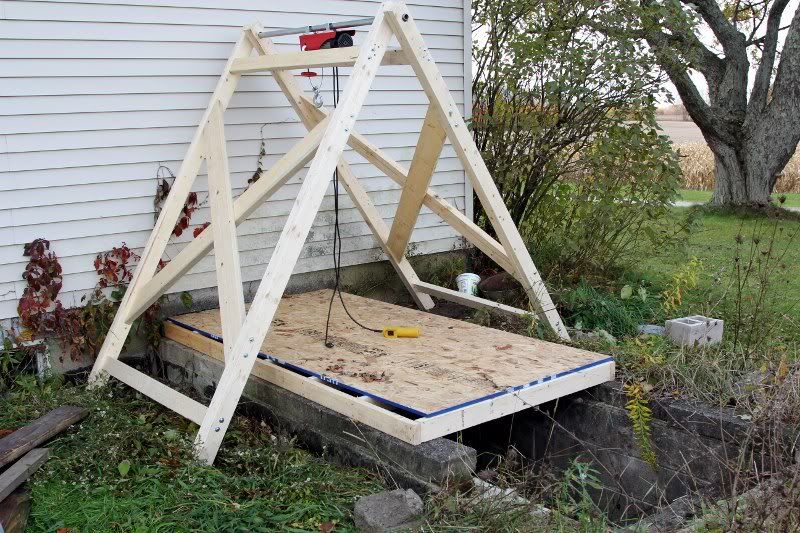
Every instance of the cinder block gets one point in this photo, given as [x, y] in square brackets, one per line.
[696, 330]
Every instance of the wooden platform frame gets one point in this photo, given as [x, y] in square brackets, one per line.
[328, 134]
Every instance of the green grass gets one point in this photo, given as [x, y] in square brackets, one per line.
[129, 467]
[714, 241]
[747, 277]
[690, 195]
[260, 481]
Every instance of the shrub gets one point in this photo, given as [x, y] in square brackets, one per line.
[564, 116]
[586, 307]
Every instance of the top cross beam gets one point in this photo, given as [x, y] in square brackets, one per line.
[328, 26]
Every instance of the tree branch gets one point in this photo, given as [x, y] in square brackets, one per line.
[731, 39]
[786, 90]
[758, 96]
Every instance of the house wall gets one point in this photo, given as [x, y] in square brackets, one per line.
[95, 95]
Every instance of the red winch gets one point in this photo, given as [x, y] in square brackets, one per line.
[325, 39]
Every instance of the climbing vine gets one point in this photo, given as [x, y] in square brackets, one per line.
[79, 329]
[640, 416]
[192, 204]
[262, 152]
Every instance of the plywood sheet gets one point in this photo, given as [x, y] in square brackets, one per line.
[451, 364]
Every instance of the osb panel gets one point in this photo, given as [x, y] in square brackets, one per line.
[451, 363]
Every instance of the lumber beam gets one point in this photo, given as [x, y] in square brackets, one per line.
[290, 244]
[155, 390]
[223, 229]
[330, 57]
[20, 471]
[518, 400]
[310, 388]
[157, 243]
[379, 229]
[423, 164]
[249, 201]
[444, 209]
[433, 84]
[23, 440]
[470, 300]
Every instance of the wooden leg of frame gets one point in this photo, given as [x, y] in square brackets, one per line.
[290, 244]
[419, 57]
[426, 155]
[381, 232]
[154, 249]
[434, 202]
[226, 249]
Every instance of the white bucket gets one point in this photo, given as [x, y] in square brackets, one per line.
[468, 283]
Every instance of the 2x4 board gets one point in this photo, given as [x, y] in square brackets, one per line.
[455, 375]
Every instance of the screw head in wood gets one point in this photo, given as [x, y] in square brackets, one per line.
[216, 429]
[405, 17]
[221, 420]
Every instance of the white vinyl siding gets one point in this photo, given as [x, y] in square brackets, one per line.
[94, 95]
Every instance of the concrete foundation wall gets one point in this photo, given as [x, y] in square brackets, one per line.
[422, 467]
[693, 445]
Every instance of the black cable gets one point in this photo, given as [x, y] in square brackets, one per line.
[337, 237]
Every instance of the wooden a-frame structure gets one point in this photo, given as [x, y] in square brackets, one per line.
[328, 133]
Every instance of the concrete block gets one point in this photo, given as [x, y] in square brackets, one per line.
[696, 330]
[394, 510]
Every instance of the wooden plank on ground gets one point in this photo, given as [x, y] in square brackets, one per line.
[21, 470]
[23, 440]
[14, 511]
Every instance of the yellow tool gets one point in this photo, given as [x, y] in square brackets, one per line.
[397, 332]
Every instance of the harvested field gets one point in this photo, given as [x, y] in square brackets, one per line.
[697, 163]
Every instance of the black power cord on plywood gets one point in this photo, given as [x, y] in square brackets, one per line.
[337, 239]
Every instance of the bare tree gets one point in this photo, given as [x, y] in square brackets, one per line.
[754, 133]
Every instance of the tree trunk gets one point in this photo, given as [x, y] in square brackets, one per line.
[742, 177]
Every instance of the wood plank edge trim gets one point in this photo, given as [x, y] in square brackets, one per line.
[309, 387]
[517, 400]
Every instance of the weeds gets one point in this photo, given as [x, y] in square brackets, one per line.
[588, 308]
[129, 467]
[640, 416]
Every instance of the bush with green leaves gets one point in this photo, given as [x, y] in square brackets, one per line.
[588, 308]
[564, 115]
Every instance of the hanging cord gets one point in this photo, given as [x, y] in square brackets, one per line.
[337, 238]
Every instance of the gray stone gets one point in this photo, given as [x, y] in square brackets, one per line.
[651, 329]
[668, 519]
[394, 510]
